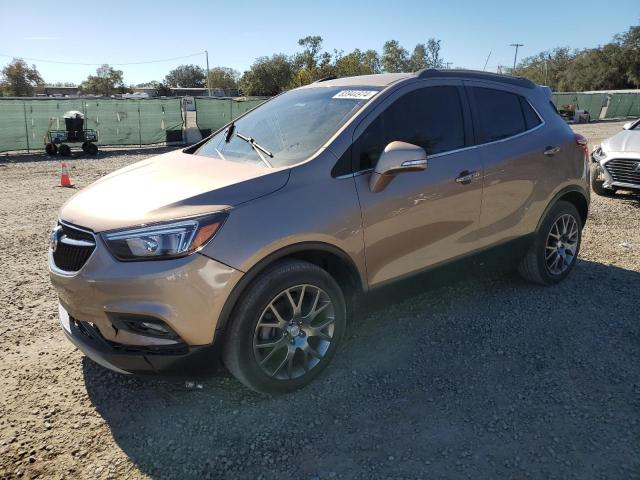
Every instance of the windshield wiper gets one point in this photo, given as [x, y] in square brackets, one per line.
[229, 132]
[259, 149]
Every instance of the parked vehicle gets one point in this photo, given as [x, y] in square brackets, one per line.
[252, 244]
[74, 132]
[616, 161]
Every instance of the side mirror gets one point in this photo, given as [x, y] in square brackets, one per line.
[627, 126]
[397, 157]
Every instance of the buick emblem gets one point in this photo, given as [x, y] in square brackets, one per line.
[54, 238]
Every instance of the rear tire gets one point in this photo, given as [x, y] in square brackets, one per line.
[597, 185]
[89, 148]
[286, 328]
[65, 150]
[555, 249]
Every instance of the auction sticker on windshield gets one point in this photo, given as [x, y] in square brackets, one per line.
[355, 94]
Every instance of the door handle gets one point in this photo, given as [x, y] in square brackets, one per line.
[551, 151]
[466, 177]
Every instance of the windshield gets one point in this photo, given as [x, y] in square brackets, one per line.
[290, 128]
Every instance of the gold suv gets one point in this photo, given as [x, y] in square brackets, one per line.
[251, 245]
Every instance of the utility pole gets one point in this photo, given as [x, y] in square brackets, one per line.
[515, 57]
[206, 53]
[447, 65]
[546, 72]
[486, 61]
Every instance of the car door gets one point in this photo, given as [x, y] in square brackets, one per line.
[421, 218]
[517, 173]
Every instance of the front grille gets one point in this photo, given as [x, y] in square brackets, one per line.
[624, 170]
[73, 248]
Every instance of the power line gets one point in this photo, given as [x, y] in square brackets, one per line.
[98, 64]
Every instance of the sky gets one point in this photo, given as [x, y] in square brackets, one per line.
[235, 33]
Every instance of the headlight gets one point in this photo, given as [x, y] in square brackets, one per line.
[598, 154]
[164, 240]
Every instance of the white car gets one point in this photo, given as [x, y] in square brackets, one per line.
[616, 161]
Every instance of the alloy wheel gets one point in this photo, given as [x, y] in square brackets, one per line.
[562, 244]
[294, 332]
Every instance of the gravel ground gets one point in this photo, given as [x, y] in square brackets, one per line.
[459, 375]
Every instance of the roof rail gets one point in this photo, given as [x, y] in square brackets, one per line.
[475, 75]
[325, 79]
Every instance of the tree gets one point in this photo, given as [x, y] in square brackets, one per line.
[394, 57]
[357, 63]
[267, 76]
[629, 42]
[186, 76]
[310, 56]
[106, 81]
[224, 78]
[18, 80]
[372, 60]
[418, 59]
[547, 68]
[615, 65]
[433, 54]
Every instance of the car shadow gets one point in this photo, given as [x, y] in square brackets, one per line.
[465, 371]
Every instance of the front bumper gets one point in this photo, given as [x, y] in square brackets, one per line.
[135, 360]
[619, 170]
[185, 294]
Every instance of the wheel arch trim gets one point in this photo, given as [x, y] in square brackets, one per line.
[558, 196]
[289, 251]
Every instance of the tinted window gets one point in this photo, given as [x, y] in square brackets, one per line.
[531, 118]
[499, 112]
[429, 117]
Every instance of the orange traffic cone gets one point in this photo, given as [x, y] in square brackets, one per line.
[65, 181]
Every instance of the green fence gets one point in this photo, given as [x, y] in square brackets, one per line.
[591, 102]
[623, 105]
[24, 123]
[619, 105]
[214, 113]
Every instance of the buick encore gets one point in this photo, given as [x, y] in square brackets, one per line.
[251, 245]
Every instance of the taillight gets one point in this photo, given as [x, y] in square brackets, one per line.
[582, 142]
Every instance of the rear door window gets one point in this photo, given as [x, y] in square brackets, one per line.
[502, 114]
[429, 117]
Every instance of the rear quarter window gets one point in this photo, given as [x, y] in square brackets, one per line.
[502, 114]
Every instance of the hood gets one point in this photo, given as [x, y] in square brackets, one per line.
[626, 141]
[166, 187]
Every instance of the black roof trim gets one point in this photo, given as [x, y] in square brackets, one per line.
[326, 79]
[475, 75]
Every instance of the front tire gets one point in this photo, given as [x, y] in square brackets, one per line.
[555, 249]
[597, 184]
[286, 328]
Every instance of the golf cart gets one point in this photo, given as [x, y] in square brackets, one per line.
[74, 133]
